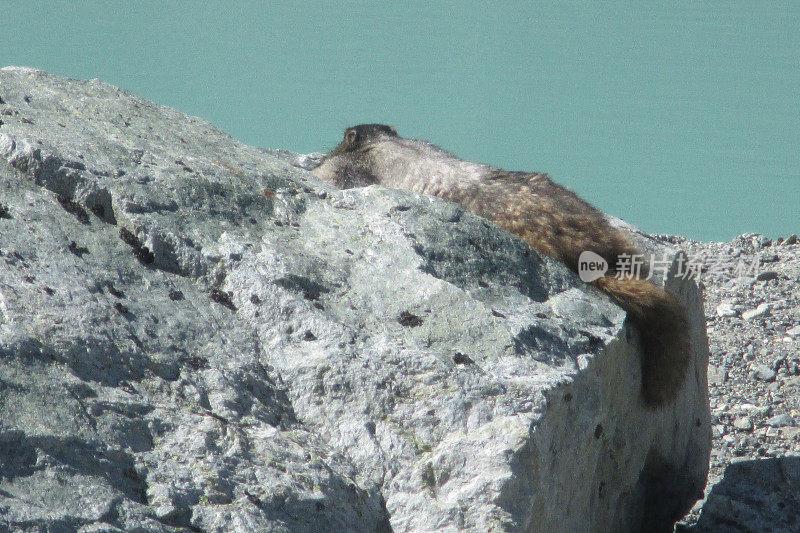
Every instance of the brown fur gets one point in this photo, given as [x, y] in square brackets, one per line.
[550, 218]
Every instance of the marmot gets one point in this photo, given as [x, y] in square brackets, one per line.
[550, 218]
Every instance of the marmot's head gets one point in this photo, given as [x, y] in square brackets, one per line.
[360, 137]
[344, 166]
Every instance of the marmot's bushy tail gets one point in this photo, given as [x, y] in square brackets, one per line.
[664, 332]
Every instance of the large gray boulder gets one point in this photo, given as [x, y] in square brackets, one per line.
[197, 333]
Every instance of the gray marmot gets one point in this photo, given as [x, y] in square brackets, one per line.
[550, 218]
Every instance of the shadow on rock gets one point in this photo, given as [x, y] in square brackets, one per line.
[21, 456]
[759, 495]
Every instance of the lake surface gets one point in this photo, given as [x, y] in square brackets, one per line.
[683, 120]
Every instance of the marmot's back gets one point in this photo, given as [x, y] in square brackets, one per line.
[550, 218]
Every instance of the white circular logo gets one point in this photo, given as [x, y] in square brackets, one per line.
[591, 266]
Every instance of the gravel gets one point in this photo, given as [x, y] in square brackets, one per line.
[754, 379]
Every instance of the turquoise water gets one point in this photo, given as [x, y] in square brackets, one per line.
[682, 120]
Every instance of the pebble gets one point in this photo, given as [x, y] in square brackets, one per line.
[744, 423]
[778, 304]
[726, 309]
[742, 281]
[764, 373]
[750, 354]
[762, 411]
[717, 375]
[790, 433]
[779, 421]
[761, 310]
[753, 410]
[767, 275]
[794, 332]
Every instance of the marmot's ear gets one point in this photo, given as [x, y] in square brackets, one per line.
[351, 136]
[393, 130]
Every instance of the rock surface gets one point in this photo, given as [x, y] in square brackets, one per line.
[754, 495]
[196, 333]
